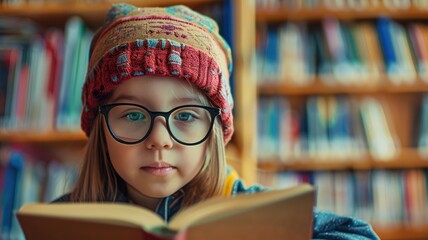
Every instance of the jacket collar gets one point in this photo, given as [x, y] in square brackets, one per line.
[170, 205]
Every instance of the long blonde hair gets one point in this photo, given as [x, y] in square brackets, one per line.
[99, 182]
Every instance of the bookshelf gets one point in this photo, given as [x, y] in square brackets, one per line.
[237, 32]
[68, 145]
[280, 15]
[45, 137]
[402, 104]
[319, 88]
[407, 159]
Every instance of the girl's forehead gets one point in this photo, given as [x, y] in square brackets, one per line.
[156, 89]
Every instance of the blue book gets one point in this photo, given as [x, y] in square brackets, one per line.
[316, 108]
[339, 129]
[362, 185]
[272, 58]
[386, 42]
[11, 189]
[322, 56]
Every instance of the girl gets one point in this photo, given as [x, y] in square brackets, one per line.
[158, 114]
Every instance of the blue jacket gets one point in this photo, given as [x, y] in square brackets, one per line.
[326, 225]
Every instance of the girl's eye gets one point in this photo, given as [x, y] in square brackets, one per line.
[184, 116]
[135, 116]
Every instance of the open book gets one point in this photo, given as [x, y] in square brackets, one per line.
[276, 214]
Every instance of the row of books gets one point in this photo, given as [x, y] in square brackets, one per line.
[359, 5]
[344, 52]
[24, 179]
[327, 127]
[40, 2]
[381, 197]
[42, 74]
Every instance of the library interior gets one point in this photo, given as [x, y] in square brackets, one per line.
[333, 93]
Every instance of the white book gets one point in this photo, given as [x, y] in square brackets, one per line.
[292, 47]
[380, 197]
[37, 88]
[379, 137]
[404, 55]
[324, 183]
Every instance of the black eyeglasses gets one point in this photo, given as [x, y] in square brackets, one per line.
[132, 123]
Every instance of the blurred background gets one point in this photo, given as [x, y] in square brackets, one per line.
[328, 92]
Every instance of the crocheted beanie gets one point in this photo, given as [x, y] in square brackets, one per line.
[174, 41]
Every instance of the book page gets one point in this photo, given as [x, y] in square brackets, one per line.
[219, 208]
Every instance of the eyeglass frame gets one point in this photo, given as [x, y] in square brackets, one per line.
[105, 109]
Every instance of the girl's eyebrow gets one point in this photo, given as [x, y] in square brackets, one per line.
[133, 98]
[186, 100]
[125, 97]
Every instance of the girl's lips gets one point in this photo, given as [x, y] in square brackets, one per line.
[159, 169]
[159, 165]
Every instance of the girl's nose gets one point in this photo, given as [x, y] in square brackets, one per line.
[159, 137]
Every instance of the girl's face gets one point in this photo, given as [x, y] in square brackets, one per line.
[158, 166]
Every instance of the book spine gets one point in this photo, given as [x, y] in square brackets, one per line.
[385, 38]
[11, 190]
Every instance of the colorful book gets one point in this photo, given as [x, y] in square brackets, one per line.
[9, 65]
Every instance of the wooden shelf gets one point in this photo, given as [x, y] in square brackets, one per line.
[43, 137]
[318, 87]
[81, 6]
[92, 13]
[313, 165]
[280, 14]
[406, 159]
[402, 232]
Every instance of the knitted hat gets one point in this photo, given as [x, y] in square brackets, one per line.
[173, 41]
